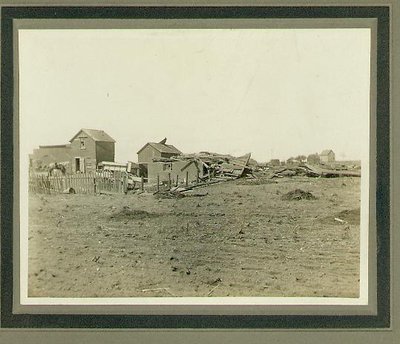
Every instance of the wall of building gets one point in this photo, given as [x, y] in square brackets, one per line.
[328, 158]
[172, 169]
[87, 154]
[168, 155]
[147, 154]
[105, 151]
[43, 156]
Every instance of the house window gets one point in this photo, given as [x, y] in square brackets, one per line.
[83, 144]
[167, 167]
[79, 165]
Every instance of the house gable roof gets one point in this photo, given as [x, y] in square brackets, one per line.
[326, 152]
[162, 148]
[96, 135]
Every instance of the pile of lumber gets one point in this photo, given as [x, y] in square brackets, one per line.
[314, 171]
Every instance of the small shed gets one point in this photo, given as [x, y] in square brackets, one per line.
[327, 156]
[152, 151]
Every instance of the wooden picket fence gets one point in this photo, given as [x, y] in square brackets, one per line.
[111, 182]
[83, 183]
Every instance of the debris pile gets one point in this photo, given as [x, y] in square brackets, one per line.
[297, 195]
[127, 213]
[221, 165]
[210, 168]
[174, 176]
[168, 194]
[313, 171]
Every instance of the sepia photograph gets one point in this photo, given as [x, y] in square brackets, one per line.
[194, 163]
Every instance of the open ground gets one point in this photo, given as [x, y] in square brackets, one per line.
[237, 238]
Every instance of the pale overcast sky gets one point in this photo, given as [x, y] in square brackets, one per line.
[274, 93]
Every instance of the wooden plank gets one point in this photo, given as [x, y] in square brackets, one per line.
[187, 165]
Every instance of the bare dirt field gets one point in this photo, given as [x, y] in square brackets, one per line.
[241, 239]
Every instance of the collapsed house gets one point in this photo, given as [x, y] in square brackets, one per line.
[164, 163]
[192, 168]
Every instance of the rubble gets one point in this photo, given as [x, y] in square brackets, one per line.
[297, 195]
[213, 168]
[314, 171]
[220, 165]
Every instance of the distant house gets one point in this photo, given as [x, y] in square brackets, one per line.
[85, 150]
[313, 159]
[89, 147]
[327, 156]
[152, 151]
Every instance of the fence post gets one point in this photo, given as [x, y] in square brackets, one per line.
[169, 180]
[49, 185]
[94, 185]
[142, 184]
[177, 179]
[125, 179]
[158, 183]
[187, 178]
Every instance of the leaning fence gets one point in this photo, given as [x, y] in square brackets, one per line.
[85, 183]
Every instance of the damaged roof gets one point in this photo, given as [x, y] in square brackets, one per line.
[162, 148]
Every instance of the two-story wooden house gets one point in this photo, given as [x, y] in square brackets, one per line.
[327, 156]
[85, 151]
[90, 147]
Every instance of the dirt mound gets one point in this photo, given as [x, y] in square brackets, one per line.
[350, 216]
[297, 195]
[347, 216]
[127, 213]
[169, 195]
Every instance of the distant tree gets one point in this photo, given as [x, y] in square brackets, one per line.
[313, 158]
